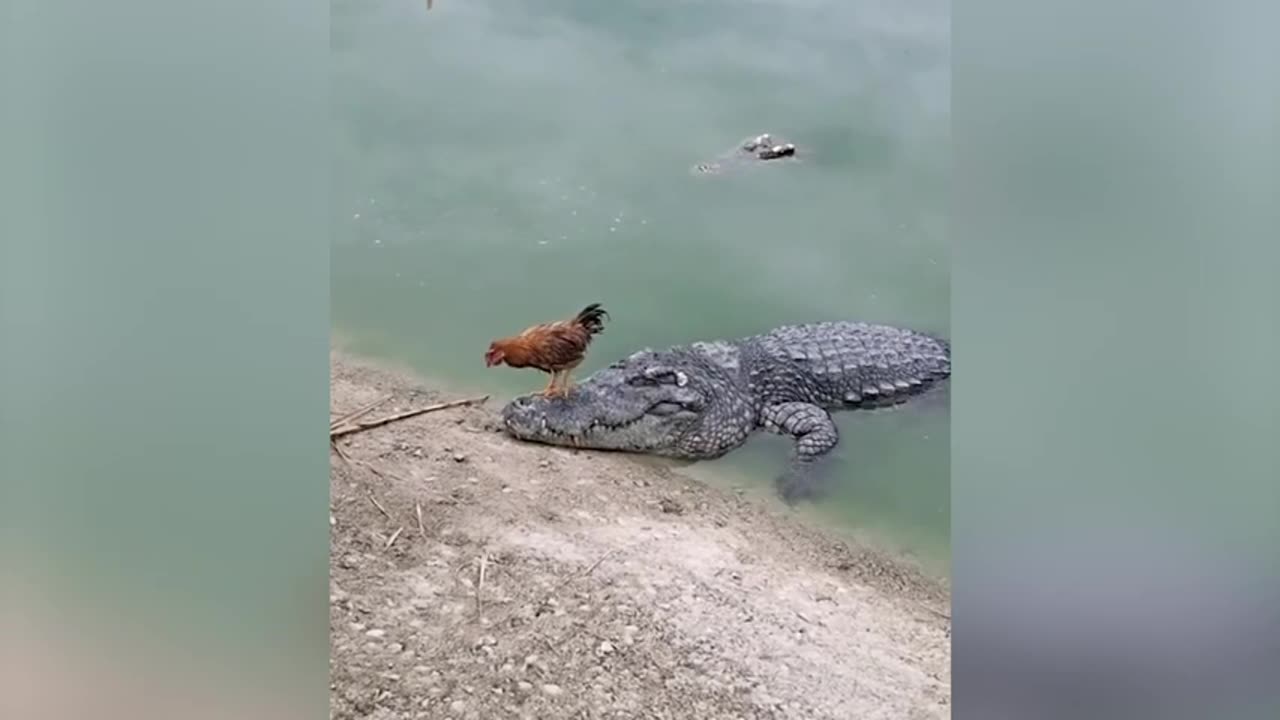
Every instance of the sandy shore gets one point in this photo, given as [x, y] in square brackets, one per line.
[553, 583]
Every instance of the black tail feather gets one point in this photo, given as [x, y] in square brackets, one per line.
[592, 318]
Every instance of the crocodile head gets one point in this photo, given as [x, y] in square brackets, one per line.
[651, 402]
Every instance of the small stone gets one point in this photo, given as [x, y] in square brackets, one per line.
[332, 522]
[376, 633]
[606, 647]
[395, 647]
[457, 706]
[459, 457]
[552, 689]
[524, 686]
[473, 479]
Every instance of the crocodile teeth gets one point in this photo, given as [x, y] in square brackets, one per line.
[887, 387]
[901, 384]
[870, 390]
[852, 397]
[916, 382]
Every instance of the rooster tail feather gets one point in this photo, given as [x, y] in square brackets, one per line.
[592, 318]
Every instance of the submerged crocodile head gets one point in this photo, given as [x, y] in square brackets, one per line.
[651, 402]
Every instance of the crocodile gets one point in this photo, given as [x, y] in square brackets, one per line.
[702, 400]
[759, 148]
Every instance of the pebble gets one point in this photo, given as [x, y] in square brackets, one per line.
[459, 457]
[457, 706]
[606, 647]
[395, 647]
[473, 479]
[376, 633]
[552, 689]
[524, 686]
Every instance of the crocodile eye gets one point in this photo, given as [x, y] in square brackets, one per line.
[662, 376]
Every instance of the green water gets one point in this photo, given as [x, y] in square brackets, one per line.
[504, 163]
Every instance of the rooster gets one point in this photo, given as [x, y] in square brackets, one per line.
[554, 347]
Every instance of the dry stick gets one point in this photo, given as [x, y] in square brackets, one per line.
[939, 613]
[380, 472]
[360, 427]
[484, 561]
[584, 573]
[394, 535]
[378, 505]
[417, 509]
[358, 412]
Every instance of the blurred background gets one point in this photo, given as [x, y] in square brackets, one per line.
[498, 164]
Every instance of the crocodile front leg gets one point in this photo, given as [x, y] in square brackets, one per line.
[814, 434]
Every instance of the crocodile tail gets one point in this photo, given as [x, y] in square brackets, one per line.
[592, 318]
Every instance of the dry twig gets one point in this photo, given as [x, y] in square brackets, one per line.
[360, 427]
[378, 505]
[338, 449]
[584, 573]
[484, 562]
[357, 413]
[417, 509]
[394, 535]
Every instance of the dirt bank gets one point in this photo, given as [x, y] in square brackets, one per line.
[552, 583]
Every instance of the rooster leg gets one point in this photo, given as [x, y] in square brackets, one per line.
[566, 385]
[551, 385]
